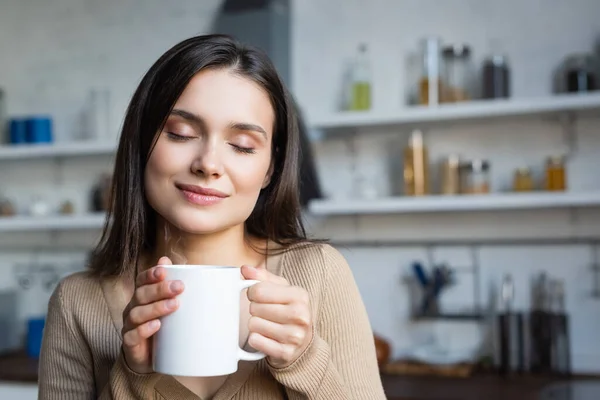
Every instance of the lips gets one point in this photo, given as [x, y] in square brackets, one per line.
[202, 191]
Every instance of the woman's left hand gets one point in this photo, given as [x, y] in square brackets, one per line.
[281, 323]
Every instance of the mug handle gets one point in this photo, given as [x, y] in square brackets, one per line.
[243, 354]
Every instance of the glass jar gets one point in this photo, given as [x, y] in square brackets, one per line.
[450, 175]
[475, 177]
[458, 74]
[496, 77]
[523, 181]
[430, 82]
[581, 73]
[556, 179]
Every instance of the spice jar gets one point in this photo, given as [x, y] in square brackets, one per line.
[523, 181]
[556, 179]
[474, 177]
[458, 74]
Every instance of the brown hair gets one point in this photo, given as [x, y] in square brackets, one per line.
[131, 223]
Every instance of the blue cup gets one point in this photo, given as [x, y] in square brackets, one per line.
[35, 333]
[17, 131]
[39, 130]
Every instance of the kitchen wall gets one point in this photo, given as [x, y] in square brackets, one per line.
[536, 35]
[59, 51]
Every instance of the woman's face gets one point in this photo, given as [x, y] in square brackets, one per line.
[214, 154]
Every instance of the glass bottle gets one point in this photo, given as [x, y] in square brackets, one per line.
[416, 169]
[430, 82]
[361, 81]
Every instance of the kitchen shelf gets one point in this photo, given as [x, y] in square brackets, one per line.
[52, 223]
[459, 203]
[54, 150]
[473, 110]
[449, 317]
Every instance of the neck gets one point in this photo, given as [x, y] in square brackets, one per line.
[228, 247]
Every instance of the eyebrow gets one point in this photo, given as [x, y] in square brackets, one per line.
[239, 126]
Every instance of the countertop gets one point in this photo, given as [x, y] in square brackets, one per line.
[17, 367]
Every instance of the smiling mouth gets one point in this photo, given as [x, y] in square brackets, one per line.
[201, 196]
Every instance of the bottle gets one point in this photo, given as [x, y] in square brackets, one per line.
[416, 171]
[361, 81]
[430, 85]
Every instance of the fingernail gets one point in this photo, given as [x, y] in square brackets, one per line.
[156, 273]
[154, 324]
[171, 304]
[176, 286]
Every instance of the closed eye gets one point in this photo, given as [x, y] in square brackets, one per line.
[244, 150]
[178, 138]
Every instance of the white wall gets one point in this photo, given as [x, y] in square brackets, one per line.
[536, 35]
[57, 51]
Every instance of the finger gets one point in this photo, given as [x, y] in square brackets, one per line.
[281, 313]
[285, 334]
[158, 291]
[154, 274]
[135, 337]
[261, 274]
[269, 292]
[282, 354]
[141, 314]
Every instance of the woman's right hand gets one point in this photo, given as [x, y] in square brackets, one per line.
[153, 298]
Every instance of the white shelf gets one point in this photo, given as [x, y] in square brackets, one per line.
[50, 150]
[478, 109]
[50, 223]
[464, 203]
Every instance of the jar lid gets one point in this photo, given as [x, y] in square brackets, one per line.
[476, 165]
[457, 51]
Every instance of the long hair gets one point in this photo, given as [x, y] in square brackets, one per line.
[130, 228]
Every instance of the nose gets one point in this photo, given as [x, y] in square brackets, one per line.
[208, 161]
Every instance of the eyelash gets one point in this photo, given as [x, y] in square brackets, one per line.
[178, 138]
[239, 149]
[244, 150]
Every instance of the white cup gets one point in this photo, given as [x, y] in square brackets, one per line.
[201, 338]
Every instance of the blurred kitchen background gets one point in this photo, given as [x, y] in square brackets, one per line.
[453, 150]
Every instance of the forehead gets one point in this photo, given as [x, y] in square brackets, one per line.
[221, 97]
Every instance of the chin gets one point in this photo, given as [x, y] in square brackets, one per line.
[203, 222]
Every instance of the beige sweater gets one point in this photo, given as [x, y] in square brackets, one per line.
[81, 354]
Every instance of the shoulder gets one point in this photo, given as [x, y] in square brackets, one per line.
[314, 262]
[75, 291]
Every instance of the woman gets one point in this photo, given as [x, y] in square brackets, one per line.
[206, 173]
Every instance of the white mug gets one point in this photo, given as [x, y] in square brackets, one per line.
[201, 338]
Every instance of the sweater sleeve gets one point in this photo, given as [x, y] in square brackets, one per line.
[66, 362]
[340, 363]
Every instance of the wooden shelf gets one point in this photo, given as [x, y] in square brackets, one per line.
[52, 223]
[461, 203]
[473, 110]
[55, 150]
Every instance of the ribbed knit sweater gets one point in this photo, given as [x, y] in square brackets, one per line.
[81, 355]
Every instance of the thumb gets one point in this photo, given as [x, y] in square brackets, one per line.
[249, 272]
[164, 261]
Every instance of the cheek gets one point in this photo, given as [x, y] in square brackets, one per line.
[249, 177]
